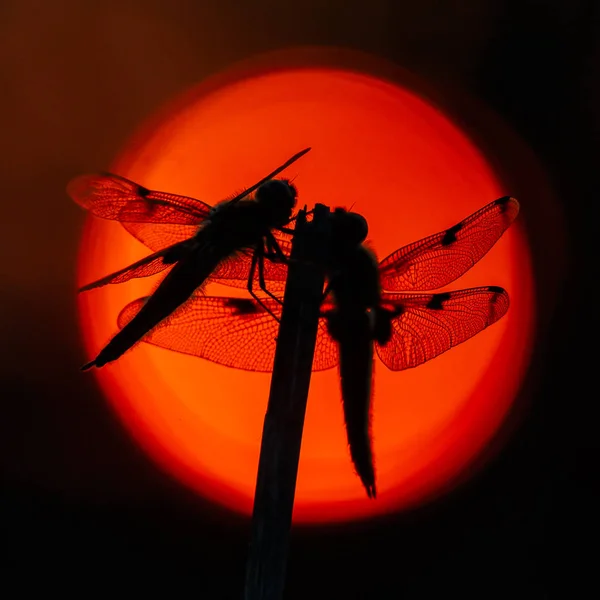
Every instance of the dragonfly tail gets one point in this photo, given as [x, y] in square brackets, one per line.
[356, 372]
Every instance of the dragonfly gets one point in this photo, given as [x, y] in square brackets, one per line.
[369, 308]
[226, 243]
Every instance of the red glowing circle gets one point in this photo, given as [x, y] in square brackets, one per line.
[411, 172]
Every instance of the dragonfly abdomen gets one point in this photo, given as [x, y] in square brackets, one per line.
[354, 336]
[174, 290]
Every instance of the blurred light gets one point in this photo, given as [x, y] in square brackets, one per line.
[410, 171]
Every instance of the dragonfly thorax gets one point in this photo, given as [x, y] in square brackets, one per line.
[348, 229]
[278, 198]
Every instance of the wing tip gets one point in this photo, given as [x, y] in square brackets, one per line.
[298, 155]
[76, 187]
[509, 205]
[496, 289]
[87, 287]
[500, 301]
[82, 186]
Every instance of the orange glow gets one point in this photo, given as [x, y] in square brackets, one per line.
[411, 172]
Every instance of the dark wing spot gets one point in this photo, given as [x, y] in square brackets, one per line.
[397, 310]
[503, 202]
[496, 289]
[242, 306]
[393, 310]
[142, 191]
[450, 235]
[437, 301]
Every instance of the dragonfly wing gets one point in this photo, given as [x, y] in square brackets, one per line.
[157, 219]
[157, 236]
[271, 175]
[427, 325]
[284, 238]
[439, 259]
[145, 267]
[235, 270]
[234, 332]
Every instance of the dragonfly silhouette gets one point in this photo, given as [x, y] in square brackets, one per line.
[227, 242]
[406, 329]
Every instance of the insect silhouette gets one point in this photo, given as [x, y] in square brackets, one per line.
[226, 243]
[406, 329]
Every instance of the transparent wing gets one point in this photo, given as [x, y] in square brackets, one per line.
[439, 259]
[157, 219]
[114, 197]
[162, 220]
[145, 267]
[157, 236]
[234, 271]
[427, 325]
[234, 332]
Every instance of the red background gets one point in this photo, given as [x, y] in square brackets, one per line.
[77, 80]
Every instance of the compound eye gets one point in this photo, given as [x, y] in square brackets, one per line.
[292, 194]
[360, 226]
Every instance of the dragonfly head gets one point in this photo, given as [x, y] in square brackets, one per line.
[348, 228]
[278, 196]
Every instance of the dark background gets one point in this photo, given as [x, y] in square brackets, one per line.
[82, 508]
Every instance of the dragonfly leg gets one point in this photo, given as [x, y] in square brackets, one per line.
[276, 258]
[261, 279]
[292, 231]
[285, 230]
[256, 257]
[274, 251]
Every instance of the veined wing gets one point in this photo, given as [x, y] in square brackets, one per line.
[234, 332]
[429, 324]
[145, 267]
[157, 219]
[234, 271]
[439, 259]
